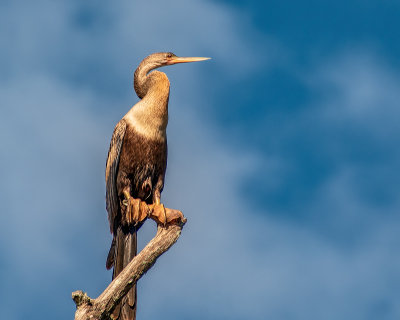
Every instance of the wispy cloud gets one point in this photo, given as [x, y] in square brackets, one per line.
[259, 266]
[57, 133]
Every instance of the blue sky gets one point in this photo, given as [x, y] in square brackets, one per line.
[283, 154]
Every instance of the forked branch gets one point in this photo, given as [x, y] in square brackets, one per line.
[103, 306]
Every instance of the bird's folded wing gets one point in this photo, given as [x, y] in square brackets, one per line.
[112, 202]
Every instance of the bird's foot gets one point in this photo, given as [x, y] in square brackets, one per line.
[136, 210]
[165, 216]
[159, 214]
[175, 216]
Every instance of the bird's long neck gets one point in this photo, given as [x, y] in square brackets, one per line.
[150, 115]
[141, 77]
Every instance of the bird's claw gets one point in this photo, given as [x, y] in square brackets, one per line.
[165, 216]
[132, 211]
[175, 216]
[136, 211]
[159, 214]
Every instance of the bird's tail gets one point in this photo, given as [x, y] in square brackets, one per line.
[122, 251]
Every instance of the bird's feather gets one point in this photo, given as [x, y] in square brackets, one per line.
[112, 201]
[123, 247]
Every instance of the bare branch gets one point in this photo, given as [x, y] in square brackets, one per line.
[103, 306]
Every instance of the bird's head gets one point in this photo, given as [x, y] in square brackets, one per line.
[154, 61]
[161, 59]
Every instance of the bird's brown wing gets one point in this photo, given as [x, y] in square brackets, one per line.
[112, 201]
[123, 247]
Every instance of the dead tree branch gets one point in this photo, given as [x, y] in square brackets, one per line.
[103, 306]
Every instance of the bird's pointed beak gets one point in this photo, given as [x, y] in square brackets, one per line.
[175, 60]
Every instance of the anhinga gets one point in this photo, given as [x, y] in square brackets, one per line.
[136, 164]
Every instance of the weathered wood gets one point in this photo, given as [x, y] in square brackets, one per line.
[103, 306]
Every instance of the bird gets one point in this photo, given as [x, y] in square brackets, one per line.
[136, 166]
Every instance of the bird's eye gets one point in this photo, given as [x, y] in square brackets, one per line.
[170, 55]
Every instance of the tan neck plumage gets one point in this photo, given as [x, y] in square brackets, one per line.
[149, 116]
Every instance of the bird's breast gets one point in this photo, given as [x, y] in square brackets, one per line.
[149, 117]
